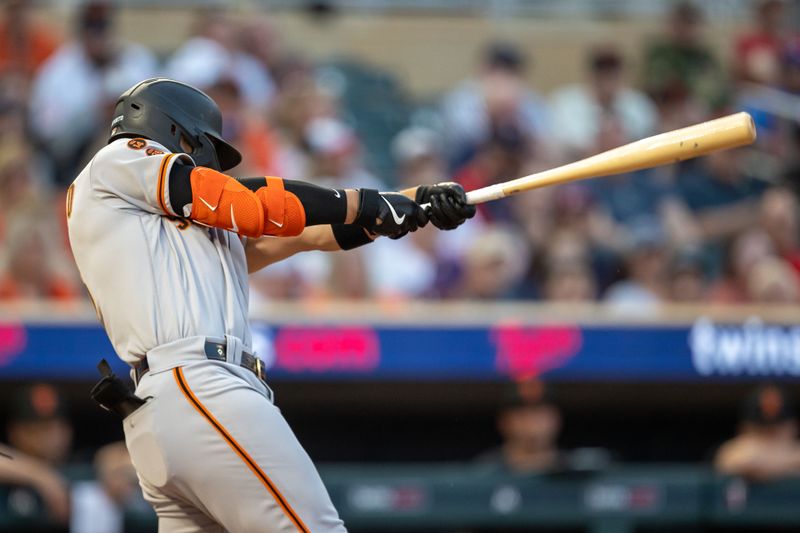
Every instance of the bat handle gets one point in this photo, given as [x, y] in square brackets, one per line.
[485, 194]
[479, 196]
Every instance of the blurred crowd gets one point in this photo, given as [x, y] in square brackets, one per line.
[35, 475]
[765, 447]
[721, 229]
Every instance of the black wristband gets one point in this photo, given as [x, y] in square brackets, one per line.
[367, 208]
[349, 236]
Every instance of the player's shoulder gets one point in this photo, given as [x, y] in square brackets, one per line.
[128, 149]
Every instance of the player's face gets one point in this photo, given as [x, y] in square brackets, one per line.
[49, 440]
[536, 425]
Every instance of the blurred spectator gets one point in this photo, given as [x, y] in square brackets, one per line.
[74, 92]
[791, 175]
[742, 254]
[335, 156]
[260, 39]
[774, 107]
[766, 446]
[24, 45]
[497, 99]
[406, 268]
[19, 189]
[38, 425]
[628, 197]
[646, 265]
[572, 282]
[99, 506]
[579, 110]
[41, 437]
[583, 232]
[566, 265]
[758, 52]
[13, 120]
[790, 71]
[300, 102]
[681, 66]
[302, 276]
[721, 193]
[780, 219]
[33, 263]
[410, 267]
[418, 154]
[773, 281]
[427, 262]
[494, 264]
[688, 280]
[529, 424]
[246, 130]
[533, 212]
[214, 54]
[501, 157]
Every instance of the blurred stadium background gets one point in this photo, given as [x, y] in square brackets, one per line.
[611, 356]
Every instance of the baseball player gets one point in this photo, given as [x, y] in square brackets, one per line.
[164, 241]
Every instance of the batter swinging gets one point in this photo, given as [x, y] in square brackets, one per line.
[164, 242]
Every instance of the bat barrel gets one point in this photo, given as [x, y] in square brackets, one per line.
[670, 147]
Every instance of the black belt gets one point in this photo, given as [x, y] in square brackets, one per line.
[216, 352]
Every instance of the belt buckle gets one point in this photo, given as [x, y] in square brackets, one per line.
[259, 368]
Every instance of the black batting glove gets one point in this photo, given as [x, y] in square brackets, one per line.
[388, 213]
[448, 204]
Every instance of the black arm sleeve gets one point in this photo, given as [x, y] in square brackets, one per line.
[180, 186]
[322, 205]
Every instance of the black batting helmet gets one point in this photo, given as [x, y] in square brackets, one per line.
[162, 110]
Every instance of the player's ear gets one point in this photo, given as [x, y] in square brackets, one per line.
[185, 146]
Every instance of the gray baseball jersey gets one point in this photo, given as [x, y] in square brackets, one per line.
[154, 279]
[211, 450]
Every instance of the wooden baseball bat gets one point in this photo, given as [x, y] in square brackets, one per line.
[669, 147]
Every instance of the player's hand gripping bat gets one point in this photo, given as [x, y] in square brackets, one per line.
[670, 147]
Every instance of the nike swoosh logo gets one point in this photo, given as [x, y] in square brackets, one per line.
[234, 227]
[279, 225]
[397, 220]
[208, 205]
[336, 193]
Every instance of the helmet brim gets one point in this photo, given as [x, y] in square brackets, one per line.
[227, 155]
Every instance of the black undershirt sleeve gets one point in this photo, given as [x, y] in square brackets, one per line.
[180, 186]
[322, 205]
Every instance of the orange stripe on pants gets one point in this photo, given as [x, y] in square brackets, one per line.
[240, 451]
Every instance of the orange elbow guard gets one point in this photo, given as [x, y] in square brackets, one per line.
[284, 214]
[222, 202]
